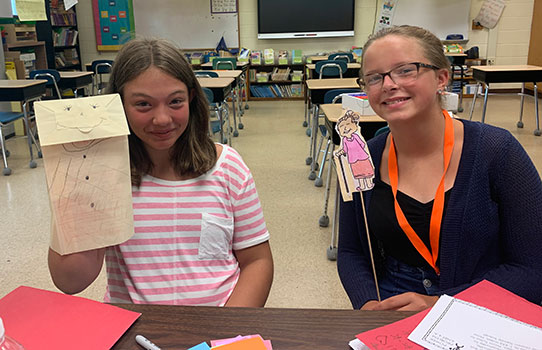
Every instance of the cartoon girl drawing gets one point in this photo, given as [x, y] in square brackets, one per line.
[354, 147]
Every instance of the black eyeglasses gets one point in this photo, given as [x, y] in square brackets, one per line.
[403, 74]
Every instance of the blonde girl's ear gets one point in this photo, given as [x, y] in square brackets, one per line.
[443, 77]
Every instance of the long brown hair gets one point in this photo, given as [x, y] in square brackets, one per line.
[194, 153]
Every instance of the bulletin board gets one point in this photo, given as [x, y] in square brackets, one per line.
[189, 23]
[441, 17]
[113, 23]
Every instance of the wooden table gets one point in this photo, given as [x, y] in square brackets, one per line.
[221, 87]
[369, 124]
[316, 90]
[75, 81]
[181, 327]
[508, 74]
[23, 91]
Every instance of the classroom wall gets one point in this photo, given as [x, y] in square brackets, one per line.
[508, 43]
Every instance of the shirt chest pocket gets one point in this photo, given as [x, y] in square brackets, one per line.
[216, 237]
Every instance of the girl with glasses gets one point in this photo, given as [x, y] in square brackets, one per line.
[454, 202]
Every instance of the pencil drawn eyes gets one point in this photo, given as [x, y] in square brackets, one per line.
[95, 106]
[68, 108]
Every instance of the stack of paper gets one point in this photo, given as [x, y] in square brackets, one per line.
[249, 342]
[484, 316]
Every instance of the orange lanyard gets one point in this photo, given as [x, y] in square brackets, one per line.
[438, 204]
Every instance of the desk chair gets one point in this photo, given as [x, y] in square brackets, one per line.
[206, 73]
[230, 63]
[52, 76]
[330, 68]
[7, 118]
[100, 68]
[226, 63]
[344, 56]
[221, 111]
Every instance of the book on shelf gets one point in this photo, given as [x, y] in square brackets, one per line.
[280, 74]
[269, 56]
[256, 57]
[244, 55]
[283, 57]
[196, 58]
[297, 57]
[65, 37]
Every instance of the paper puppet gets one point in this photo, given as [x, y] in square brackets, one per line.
[87, 165]
[354, 165]
[355, 168]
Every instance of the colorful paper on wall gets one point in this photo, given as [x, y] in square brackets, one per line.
[43, 320]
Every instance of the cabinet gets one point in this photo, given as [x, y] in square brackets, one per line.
[276, 81]
[21, 45]
[61, 36]
[469, 83]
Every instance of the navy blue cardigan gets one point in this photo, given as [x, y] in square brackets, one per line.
[492, 227]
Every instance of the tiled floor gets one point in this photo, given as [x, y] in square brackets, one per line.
[274, 145]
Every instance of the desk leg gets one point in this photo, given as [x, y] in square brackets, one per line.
[485, 104]
[522, 93]
[324, 219]
[474, 100]
[332, 250]
[221, 121]
[461, 84]
[234, 107]
[535, 95]
[29, 135]
[314, 134]
[306, 100]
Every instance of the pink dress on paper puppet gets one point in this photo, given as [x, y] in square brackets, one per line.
[354, 148]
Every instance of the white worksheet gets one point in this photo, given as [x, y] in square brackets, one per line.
[453, 324]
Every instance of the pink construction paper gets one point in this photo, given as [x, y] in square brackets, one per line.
[485, 294]
[219, 342]
[40, 319]
[248, 343]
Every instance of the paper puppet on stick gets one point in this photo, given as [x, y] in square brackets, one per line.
[355, 168]
[87, 165]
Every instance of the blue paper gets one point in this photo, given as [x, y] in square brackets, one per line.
[202, 346]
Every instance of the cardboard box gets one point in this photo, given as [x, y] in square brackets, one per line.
[15, 57]
[15, 33]
[358, 102]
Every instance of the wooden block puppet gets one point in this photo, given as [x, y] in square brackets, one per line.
[87, 165]
[354, 165]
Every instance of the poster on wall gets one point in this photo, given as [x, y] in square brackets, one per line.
[386, 15]
[113, 22]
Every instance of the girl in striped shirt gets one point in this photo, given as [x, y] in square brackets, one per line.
[200, 236]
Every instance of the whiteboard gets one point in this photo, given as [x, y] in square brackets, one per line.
[441, 17]
[5, 9]
[188, 23]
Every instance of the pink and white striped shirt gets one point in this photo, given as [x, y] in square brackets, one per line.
[185, 235]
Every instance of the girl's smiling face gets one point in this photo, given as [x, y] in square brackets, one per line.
[157, 108]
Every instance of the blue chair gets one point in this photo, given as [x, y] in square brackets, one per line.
[382, 130]
[345, 56]
[100, 68]
[7, 118]
[52, 76]
[206, 73]
[330, 68]
[226, 63]
[217, 125]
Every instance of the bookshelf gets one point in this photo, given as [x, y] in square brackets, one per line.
[61, 36]
[276, 81]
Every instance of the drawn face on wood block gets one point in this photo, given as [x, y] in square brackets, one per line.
[87, 165]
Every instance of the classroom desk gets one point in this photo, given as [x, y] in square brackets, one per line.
[23, 91]
[221, 87]
[316, 89]
[75, 81]
[209, 65]
[181, 327]
[236, 100]
[508, 74]
[458, 60]
[369, 124]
